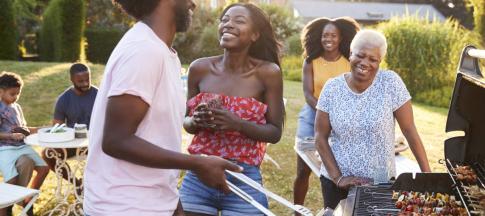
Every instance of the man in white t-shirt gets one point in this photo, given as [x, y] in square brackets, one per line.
[135, 132]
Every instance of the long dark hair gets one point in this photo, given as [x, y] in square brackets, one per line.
[266, 47]
[312, 35]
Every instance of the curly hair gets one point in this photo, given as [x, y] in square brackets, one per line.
[267, 47]
[312, 35]
[10, 80]
[137, 8]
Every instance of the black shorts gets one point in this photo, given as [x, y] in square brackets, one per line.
[331, 193]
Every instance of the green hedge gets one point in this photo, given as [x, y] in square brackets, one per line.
[479, 17]
[291, 66]
[8, 31]
[293, 45]
[426, 55]
[62, 31]
[101, 42]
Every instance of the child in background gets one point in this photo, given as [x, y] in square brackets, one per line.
[13, 129]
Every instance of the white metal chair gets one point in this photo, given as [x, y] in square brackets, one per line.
[310, 157]
[11, 194]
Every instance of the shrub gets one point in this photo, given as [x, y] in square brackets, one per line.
[292, 67]
[293, 45]
[50, 35]
[62, 30]
[479, 17]
[184, 42]
[208, 43]
[102, 14]
[8, 31]
[284, 24]
[101, 42]
[425, 54]
[436, 97]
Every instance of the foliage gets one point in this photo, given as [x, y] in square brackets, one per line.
[479, 17]
[284, 24]
[425, 53]
[439, 97]
[200, 40]
[28, 15]
[103, 14]
[293, 45]
[62, 31]
[101, 42]
[184, 42]
[50, 34]
[208, 43]
[292, 67]
[8, 31]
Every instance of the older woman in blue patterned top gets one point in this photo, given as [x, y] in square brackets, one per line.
[356, 113]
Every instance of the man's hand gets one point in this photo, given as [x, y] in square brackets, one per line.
[211, 172]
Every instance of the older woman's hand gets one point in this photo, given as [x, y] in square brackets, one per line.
[349, 181]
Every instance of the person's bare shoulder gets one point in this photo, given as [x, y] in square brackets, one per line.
[202, 66]
[269, 70]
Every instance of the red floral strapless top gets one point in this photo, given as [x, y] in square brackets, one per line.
[230, 144]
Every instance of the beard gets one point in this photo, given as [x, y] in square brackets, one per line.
[182, 16]
[82, 89]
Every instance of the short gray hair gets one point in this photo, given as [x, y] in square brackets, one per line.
[372, 38]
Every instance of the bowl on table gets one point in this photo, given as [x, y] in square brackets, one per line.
[62, 135]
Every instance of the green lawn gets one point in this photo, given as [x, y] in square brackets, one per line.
[44, 81]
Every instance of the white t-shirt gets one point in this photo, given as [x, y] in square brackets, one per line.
[140, 65]
[362, 134]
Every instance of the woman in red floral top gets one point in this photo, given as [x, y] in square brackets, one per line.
[235, 107]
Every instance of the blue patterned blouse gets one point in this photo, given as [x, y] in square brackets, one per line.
[362, 124]
[11, 116]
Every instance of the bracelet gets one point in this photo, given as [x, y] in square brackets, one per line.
[339, 179]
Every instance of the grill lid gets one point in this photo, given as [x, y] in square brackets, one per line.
[467, 112]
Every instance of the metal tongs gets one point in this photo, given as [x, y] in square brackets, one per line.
[298, 208]
[56, 127]
[246, 197]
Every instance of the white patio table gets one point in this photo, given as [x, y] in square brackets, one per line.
[64, 190]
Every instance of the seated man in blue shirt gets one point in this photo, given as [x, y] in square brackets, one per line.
[73, 106]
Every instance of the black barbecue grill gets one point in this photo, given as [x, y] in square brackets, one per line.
[467, 115]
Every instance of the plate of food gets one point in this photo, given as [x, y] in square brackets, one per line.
[400, 144]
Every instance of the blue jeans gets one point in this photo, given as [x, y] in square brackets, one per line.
[306, 122]
[196, 197]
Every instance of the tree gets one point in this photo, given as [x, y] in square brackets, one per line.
[282, 19]
[479, 17]
[8, 31]
[103, 14]
[62, 31]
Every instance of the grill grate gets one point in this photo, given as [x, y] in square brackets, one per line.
[469, 202]
[375, 200]
[480, 170]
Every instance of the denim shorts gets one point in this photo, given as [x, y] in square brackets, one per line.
[306, 122]
[199, 198]
[9, 156]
